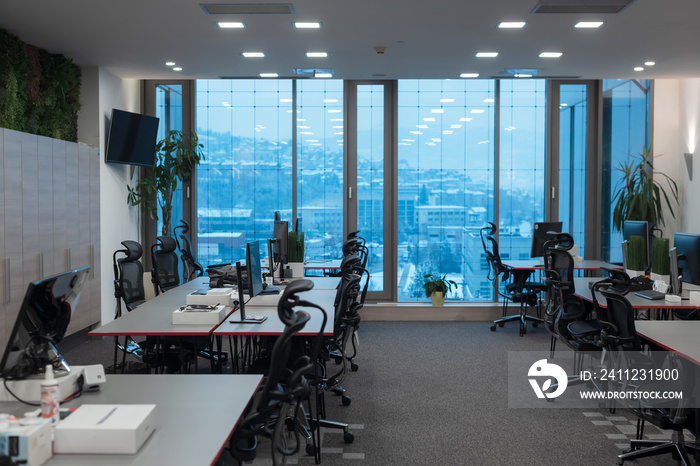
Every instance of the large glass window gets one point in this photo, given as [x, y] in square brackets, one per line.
[626, 108]
[445, 183]
[246, 129]
[320, 130]
[169, 110]
[522, 164]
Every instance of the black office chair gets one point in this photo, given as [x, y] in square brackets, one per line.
[129, 293]
[191, 268]
[568, 318]
[164, 274]
[620, 334]
[511, 285]
[284, 389]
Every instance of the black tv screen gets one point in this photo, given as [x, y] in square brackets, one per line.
[132, 138]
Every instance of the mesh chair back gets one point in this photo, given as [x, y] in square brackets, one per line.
[619, 323]
[196, 269]
[165, 271]
[131, 275]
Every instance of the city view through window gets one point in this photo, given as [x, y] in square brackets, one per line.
[448, 135]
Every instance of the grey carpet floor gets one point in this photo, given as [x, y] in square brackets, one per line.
[436, 393]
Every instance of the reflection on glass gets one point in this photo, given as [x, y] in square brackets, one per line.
[522, 164]
[246, 129]
[445, 184]
[626, 115]
[572, 161]
[320, 129]
[370, 177]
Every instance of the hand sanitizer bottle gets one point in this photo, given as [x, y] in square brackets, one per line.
[50, 402]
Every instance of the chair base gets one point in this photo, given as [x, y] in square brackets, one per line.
[675, 446]
[523, 318]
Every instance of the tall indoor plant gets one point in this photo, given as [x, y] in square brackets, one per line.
[640, 195]
[176, 157]
[295, 253]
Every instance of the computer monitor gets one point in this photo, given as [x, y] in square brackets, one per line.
[41, 324]
[642, 229]
[280, 233]
[277, 215]
[676, 287]
[540, 235]
[252, 265]
[688, 251]
[625, 254]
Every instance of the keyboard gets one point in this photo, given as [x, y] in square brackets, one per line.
[650, 294]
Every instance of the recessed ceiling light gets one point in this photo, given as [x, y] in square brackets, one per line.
[488, 101]
[469, 75]
[231, 24]
[301, 25]
[588, 24]
[316, 54]
[422, 126]
[437, 110]
[477, 110]
[269, 75]
[330, 101]
[429, 119]
[465, 119]
[333, 110]
[511, 24]
[522, 75]
[551, 54]
[177, 68]
[649, 63]
[286, 100]
[638, 68]
[169, 63]
[487, 54]
[323, 75]
[253, 54]
[447, 100]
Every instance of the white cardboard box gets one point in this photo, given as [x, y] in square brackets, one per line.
[197, 316]
[213, 296]
[113, 429]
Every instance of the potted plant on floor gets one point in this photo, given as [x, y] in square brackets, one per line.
[295, 253]
[437, 287]
[176, 157]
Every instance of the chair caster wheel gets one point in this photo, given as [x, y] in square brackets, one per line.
[493, 328]
[346, 400]
[348, 437]
[337, 360]
[535, 324]
[310, 450]
[354, 367]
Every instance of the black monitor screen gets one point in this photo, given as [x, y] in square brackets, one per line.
[252, 264]
[638, 228]
[41, 323]
[132, 139]
[688, 249]
[540, 235]
[280, 234]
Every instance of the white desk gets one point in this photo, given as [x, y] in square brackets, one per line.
[195, 415]
[677, 336]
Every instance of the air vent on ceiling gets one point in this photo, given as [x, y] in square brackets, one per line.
[248, 8]
[581, 6]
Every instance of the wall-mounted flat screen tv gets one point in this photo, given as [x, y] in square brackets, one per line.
[132, 139]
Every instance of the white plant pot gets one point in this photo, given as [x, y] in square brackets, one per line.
[634, 273]
[297, 269]
[437, 298]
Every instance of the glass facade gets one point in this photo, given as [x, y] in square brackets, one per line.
[169, 111]
[626, 116]
[468, 152]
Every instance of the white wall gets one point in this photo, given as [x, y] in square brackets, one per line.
[677, 131]
[101, 92]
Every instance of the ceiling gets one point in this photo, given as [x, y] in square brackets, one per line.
[423, 39]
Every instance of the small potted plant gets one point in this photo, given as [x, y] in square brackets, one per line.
[295, 253]
[635, 256]
[437, 287]
[660, 260]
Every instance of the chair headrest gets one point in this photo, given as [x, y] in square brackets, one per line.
[167, 244]
[134, 251]
[289, 298]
